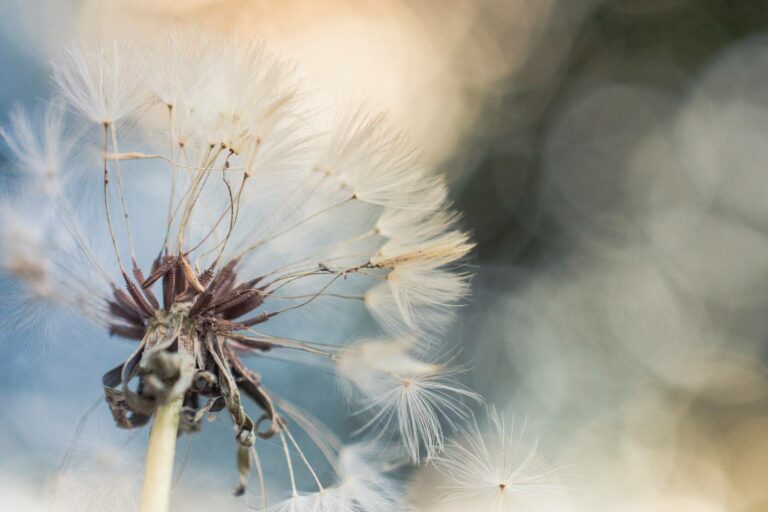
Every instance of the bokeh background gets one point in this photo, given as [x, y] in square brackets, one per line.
[610, 157]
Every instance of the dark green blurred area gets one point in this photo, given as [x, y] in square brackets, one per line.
[657, 43]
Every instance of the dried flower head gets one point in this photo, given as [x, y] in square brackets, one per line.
[224, 210]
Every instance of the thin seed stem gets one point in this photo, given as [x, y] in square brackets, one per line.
[288, 462]
[106, 201]
[277, 341]
[325, 250]
[195, 189]
[158, 472]
[260, 474]
[174, 179]
[123, 202]
[264, 241]
[71, 225]
[137, 155]
[304, 460]
[325, 440]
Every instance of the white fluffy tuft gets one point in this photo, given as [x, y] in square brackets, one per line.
[497, 470]
[404, 394]
[99, 84]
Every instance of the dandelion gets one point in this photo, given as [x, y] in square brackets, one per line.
[497, 470]
[97, 84]
[222, 209]
[406, 394]
[39, 148]
[364, 480]
[323, 501]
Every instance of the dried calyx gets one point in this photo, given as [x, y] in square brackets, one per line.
[185, 348]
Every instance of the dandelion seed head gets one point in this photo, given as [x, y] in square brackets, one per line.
[229, 217]
[498, 469]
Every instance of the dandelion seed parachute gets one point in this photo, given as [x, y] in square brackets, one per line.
[226, 210]
[322, 501]
[410, 395]
[39, 148]
[98, 83]
[497, 469]
[363, 479]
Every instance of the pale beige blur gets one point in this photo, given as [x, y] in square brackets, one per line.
[431, 66]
